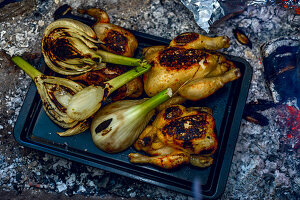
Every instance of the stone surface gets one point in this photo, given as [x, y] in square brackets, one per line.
[263, 166]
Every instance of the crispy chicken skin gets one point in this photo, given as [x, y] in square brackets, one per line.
[115, 38]
[178, 136]
[189, 56]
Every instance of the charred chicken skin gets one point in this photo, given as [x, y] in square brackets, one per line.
[115, 38]
[189, 58]
[178, 136]
[132, 89]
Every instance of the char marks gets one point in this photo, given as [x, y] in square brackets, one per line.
[186, 38]
[172, 112]
[116, 42]
[187, 128]
[175, 58]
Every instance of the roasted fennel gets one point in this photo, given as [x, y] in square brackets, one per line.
[86, 102]
[70, 47]
[116, 126]
[55, 93]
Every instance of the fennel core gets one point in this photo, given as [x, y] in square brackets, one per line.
[116, 126]
[87, 102]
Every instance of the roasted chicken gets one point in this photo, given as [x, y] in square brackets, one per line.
[188, 64]
[132, 89]
[178, 136]
[115, 38]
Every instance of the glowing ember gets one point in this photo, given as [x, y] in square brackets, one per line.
[292, 4]
[289, 120]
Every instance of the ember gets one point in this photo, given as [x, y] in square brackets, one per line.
[292, 4]
[289, 122]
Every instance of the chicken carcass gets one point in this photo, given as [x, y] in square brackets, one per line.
[189, 57]
[115, 39]
[177, 136]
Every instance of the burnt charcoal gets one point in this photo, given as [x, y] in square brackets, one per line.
[11, 9]
[256, 118]
[251, 111]
[272, 157]
[241, 37]
[260, 105]
[19, 177]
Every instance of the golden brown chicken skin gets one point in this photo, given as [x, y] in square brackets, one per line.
[174, 66]
[189, 56]
[197, 41]
[178, 136]
[115, 38]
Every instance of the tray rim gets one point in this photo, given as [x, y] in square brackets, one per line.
[229, 147]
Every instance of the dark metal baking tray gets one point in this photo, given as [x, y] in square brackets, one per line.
[35, 130]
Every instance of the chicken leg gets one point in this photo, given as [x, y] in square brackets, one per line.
[168, 161]
[197, 41]
[201, 88]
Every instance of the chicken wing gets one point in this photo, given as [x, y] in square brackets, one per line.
[197, 41]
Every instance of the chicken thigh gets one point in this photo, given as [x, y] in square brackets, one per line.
[189, 56]
[178, 136]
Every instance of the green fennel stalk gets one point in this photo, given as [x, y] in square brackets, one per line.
[86, 102]
[116, 126]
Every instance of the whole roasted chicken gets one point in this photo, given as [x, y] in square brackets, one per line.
[178, 136]
[190, 65]
[115, 39]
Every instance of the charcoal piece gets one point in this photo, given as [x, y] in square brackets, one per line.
[241, 37]
[281, 60]
[252, 115]
[256, 118]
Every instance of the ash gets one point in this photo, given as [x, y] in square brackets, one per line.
[264, 165]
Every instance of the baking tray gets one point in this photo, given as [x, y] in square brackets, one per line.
[35, 130]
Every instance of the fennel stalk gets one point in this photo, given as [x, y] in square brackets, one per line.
[116, 126]
[87, 102]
